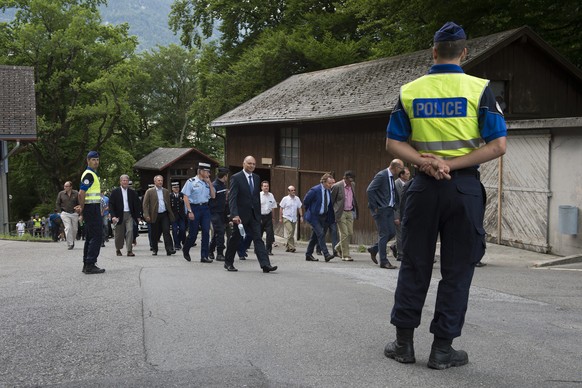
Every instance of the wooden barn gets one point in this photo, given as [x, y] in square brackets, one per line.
[174, 164]
[335, 120]
[17, 124]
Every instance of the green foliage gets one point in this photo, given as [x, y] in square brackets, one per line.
[81, 82]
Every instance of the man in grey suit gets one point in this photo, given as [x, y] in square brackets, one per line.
[382, 200]
[244, 203]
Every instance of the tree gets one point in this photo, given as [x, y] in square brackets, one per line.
[167, 92]
[81, 80]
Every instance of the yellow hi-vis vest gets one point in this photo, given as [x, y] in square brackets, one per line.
[443, 109]
[93, 194]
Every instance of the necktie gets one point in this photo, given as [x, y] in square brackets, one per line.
[251, 183]
[392, 198]
[325, 201]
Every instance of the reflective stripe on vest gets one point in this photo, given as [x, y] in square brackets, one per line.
[443, 110]
[93, 194]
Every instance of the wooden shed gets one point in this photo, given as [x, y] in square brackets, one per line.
[174, 164]
[17, 123]
[335, 120]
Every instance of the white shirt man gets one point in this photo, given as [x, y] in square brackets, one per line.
[268, 203]
[290, 205]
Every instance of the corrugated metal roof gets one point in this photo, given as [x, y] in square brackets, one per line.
[365, 88]
[17, 103]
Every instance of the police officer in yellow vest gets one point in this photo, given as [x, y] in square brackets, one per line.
[90, 208]
[438, 125]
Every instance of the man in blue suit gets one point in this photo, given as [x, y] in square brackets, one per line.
[244, 203]
[382, 200]
[319, 212]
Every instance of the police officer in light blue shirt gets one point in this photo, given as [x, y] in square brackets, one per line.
[197, 192]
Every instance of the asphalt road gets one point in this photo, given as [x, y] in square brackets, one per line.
[163, 322]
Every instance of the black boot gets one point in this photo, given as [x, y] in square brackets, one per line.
[443, 356]
[402, 350]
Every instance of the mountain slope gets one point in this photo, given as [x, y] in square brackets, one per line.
[147, 19]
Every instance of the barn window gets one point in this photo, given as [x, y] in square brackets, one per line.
[289, 147]
[499, 88]
[179, 172]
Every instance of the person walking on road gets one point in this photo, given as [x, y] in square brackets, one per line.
[158, 213]
[345, 208]
[268, 203]
[245, 212]
[67, 200]
[319, 214]
[125, 210]
[198, 191]
[437, 125]
[382, 201]
[289, 206]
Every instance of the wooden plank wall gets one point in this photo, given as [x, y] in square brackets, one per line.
[333, 146]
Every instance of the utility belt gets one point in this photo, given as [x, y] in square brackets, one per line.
[199, 204]
[469, 171]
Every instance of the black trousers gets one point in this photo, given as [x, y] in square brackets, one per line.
[253, 228]
[219, 227]
[267, 227]
[93, 232]
[162, 226]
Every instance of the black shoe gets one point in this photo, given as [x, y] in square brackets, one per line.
[480, 264]
[187, 255]
[154, 253]
[401, 350]
[102, 245]
[91, 269]
[443, 357]
[373, 255]
[328, 258]
[169, 253]
[270, 253]
[220, 257]
[211, 255]
[388, 266]
[394, 251]
[318, 253]
[118, 253]
[70, 247]
[205, 260]
[335, 253]
[269, 268]
[230, 268]
[172, 252]
[310, 258]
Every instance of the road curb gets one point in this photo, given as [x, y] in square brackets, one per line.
[562, 260]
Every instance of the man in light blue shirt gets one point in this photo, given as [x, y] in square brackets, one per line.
[197, 192]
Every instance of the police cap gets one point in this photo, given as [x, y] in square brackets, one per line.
[204, 166]
[449, 32]
[92, 154]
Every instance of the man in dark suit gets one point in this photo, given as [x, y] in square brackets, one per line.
[382, 200]
[319, 213]
[245, 209]
[125, 209]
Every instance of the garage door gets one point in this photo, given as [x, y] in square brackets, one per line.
[524, 195]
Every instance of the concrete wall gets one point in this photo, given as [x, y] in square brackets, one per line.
[566, 187]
